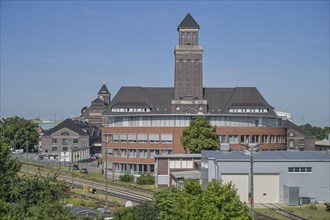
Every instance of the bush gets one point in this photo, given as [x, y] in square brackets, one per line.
[145, 180]
[126, 178]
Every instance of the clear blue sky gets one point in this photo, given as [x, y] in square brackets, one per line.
[56, 54]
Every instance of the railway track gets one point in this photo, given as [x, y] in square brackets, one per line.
[115, 191]
[283, 212]
[259, 216]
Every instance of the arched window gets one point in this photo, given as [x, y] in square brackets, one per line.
[65, 133]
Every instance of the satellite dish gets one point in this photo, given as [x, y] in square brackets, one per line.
[128, 204]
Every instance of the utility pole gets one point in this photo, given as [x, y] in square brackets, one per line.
[252, 193]
[106, 179]
[71, 167]
[27, 152]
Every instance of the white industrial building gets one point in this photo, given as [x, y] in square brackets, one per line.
[278, 176]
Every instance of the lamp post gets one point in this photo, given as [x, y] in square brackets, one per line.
[106, 179]
[251, 147]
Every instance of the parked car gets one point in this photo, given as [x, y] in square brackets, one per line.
[18, 151]
[75, 167]
[83, 170]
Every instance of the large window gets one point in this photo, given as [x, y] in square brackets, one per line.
[121, 167]
[233, 139]
[54, 141]
[143, 153]
[142, 138]
[154, 138]
[245, 139]
[264, 139]
[54, 148]
[123, 153]
[166, 152]
[152, 168]
[166, 138]
[115, 152]
[154, 153]
[131, 138]
[223, 139]
[255, 138]
[75, 141]
[272, 139]
[132, 153]
[65, 148]
[65, 141]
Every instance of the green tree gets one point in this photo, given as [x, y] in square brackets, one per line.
[143, 211]
[221, 201]
[200, 135]
[217, 201]
[19, 132]
[25, 197]
[8, 171]
[317, 132]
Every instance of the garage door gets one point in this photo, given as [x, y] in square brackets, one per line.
[266, 188]
[241, 183]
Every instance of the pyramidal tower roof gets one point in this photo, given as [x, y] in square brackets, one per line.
[104, 89]
[188, 22]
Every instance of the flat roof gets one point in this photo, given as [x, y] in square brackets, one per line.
[268, 155]
[178, 156]
[192, 174]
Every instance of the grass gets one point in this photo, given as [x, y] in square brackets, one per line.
[305, 211]
[270, 213]
[316, 212]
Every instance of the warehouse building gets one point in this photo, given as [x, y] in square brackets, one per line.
[279, 176]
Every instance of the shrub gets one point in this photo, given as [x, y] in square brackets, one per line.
[128, 178]
[145, 180]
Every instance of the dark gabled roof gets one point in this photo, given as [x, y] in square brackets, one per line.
[189, 23]
[290, 125]
[103, 90]
[97, 101]
[159, 100]
[81, 127]
[247, 97]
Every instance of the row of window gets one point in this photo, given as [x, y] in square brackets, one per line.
[300, 169]
[301, 142]
[183, 121]
[248, 110]
[245, 139]
[138, 138]
[65, 141]
[134, 168]
[131, 109]
[56, 148]
[141, 153]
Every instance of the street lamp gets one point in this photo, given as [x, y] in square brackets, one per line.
[251, 147]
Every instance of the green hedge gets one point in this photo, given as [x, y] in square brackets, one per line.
[145, 180]
[128, 178]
